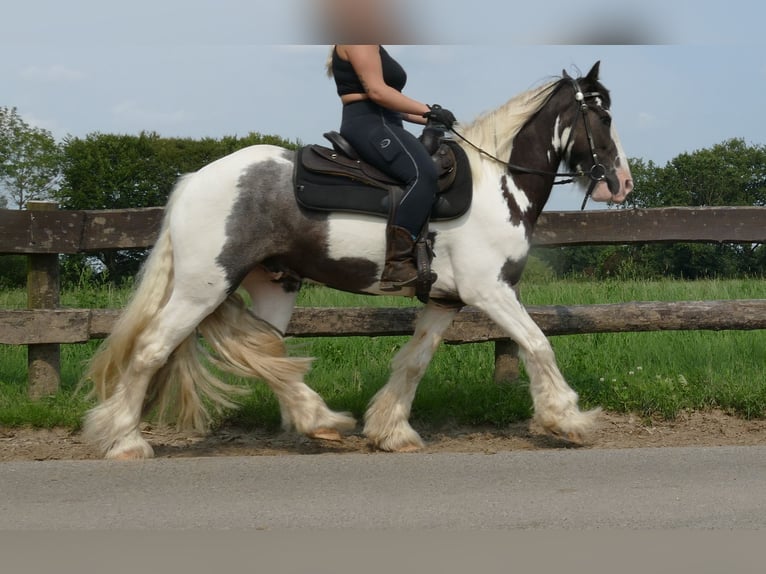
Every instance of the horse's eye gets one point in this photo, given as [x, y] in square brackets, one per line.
[606, 120]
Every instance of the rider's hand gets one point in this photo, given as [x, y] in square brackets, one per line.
[440, 115]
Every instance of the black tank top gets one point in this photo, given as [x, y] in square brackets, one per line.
[348, 82]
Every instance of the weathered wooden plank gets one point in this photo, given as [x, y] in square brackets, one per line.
[740, 314]
[43, 292]
[101, 322]
[78, 231]
[693, 224]
[83, 231]
[18, 327]
[39, 326]
[40, 231]
[121, 229]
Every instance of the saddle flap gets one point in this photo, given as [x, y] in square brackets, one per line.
[321, 159]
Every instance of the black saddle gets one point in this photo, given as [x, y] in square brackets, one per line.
[338, 180]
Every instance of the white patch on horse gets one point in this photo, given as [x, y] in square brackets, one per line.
[352, 235]
[623, 158]
[561, 135]
[519, 196]
[198, 209]
[487, 226]
[360, 237]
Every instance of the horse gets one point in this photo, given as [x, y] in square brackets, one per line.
[235, 224]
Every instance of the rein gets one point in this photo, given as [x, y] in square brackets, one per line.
[597, 172]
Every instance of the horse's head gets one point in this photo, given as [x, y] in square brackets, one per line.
[589, 139]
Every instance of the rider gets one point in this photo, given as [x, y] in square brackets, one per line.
[369, 83]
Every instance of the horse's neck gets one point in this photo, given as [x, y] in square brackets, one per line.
[538, 146]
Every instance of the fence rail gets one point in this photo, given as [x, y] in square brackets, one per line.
[38, 326]
[68, 232]
[43, 232]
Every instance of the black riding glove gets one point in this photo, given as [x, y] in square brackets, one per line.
[440, 115]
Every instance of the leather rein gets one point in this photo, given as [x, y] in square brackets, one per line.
[597, 172]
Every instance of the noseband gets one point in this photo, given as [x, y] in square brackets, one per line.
[597, 172]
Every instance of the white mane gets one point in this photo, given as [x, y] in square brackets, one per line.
[495, 131]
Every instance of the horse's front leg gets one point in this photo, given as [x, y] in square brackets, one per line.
[386, 420]
[555, 403]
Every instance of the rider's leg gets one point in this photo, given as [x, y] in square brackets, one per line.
[380, 139]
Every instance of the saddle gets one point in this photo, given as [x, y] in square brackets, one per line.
[336, 179]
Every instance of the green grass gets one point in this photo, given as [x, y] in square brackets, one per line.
[651, 374]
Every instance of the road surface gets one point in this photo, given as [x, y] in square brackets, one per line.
[570, 489]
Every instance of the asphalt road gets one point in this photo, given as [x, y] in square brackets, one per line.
[570, 489]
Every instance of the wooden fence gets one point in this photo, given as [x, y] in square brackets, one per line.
[42, 233]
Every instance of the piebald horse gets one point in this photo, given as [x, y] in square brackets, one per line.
[235, 224]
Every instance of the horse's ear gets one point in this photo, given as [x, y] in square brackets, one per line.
[593, 74]
[565, 75]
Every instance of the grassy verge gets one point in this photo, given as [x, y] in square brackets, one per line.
[646, 373]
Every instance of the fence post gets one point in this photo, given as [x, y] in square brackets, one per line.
[507, 357]
[43, 361]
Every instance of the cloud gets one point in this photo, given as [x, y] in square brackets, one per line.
[132, 112]
[646, 120]
[52, 74]
[38, 122]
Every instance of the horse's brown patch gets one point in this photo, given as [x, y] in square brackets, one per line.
[266, 225]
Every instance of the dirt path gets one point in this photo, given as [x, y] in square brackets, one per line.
[617, 431]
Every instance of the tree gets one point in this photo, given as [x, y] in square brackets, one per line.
[108, 171]
[731, 173]
[29, 159]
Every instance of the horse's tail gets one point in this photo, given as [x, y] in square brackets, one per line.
[154, 286]
[183, 389]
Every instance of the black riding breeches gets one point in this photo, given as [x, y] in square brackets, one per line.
[378, 136]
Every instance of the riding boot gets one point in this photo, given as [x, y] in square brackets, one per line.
[400, 269]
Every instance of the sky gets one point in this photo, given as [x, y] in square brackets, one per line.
[683, 75]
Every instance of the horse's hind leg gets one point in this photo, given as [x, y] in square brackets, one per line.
[114, 424]
[386, 420]
[300, 407]
[555, 402]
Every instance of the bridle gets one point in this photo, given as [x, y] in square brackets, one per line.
[597, 172]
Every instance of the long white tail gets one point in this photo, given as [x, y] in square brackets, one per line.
[154, 286]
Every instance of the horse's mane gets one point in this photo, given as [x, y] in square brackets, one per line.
[494, 131]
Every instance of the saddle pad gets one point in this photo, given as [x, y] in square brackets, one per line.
[352, 193]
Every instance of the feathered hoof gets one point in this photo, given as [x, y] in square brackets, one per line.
[326, 434]
[572, 437]
[329, 426]
[404, 441]
[130, 449]
[576, 429]
[390, 446]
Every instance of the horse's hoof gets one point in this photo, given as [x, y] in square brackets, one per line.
[132, 454]
[133, 449]
[326, 434]
[409, 448]
[571, 437]
[411, 445]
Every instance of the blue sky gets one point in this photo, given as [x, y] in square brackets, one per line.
[202, 68]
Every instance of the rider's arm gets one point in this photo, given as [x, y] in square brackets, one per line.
[415, 119]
